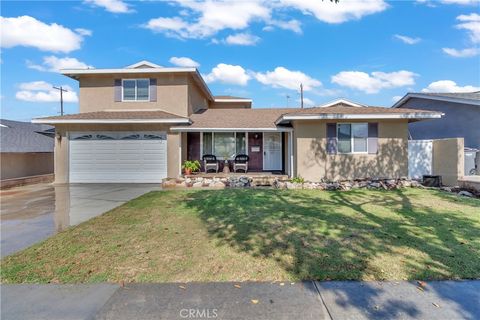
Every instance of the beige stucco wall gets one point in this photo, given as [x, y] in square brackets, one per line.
[19, 165]
[313, 163]
[448, 160]
[97, 93]
[62, 153]
[230, 105]
[197, 99]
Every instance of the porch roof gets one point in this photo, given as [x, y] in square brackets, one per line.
[236, 120]
[124, 116]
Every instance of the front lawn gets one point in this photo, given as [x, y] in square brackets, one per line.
[263, 234]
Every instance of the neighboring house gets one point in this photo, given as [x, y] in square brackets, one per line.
[461, 120]
[26, 149]
[139, 123]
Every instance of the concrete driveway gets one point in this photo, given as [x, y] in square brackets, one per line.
[32, 213]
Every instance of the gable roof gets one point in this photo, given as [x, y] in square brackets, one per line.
[143, 64]
[141, 67]
[17, 136]
[456, 97]
[342, 101]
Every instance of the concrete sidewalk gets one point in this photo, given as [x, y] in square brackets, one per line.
[246, 300]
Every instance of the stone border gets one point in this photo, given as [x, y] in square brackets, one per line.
[276, 183]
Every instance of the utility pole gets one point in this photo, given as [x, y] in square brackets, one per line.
[301, 95]
[61, 97]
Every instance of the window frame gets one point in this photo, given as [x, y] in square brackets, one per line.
[213, 143]
[136, 89]
[352, 150]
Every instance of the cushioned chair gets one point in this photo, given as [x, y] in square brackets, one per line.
[210, 162]
[240, 163]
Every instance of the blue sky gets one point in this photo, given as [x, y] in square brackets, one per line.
[371, 52]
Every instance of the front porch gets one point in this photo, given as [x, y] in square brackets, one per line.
[270, 152]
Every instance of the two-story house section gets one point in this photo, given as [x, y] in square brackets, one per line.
[139, 123]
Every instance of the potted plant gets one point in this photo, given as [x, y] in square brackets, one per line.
[191, 166]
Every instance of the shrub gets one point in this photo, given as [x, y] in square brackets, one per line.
[191, 165]
[297, 180]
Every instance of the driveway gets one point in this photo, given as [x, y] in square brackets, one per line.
[32, 213]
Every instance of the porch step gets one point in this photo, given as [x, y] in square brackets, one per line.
[266, 181]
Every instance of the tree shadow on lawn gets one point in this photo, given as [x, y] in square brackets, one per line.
[336, 235]
[345, 235]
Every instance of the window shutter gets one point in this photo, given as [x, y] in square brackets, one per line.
[153, 90]
[331, 138]
[372, 138]
[118, 90]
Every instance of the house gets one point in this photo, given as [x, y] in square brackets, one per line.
[462, 116]
[139, 123]
[26, 149]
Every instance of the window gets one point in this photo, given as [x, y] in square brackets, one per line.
[135, 89]
[352, 137]
[224, 144]
[207, 143]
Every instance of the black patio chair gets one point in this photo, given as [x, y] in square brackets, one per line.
[210, 162]
[241, 163]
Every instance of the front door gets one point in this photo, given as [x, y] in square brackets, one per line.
[272, 151]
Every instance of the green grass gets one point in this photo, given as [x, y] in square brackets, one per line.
[262, 234]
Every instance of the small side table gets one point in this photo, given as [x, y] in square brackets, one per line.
[226, 167]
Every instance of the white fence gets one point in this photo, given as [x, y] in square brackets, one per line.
[420, 154]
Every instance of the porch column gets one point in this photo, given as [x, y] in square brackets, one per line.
[290, 153]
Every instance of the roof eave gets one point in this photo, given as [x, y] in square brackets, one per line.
[112, 121]
[336, 116]
[267, 129]
[408, 96]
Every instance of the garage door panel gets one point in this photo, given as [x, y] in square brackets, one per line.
[93, 160]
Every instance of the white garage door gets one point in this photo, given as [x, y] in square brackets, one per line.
[107, 157]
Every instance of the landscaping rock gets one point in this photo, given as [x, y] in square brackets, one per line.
[197, 184]
[465, 193]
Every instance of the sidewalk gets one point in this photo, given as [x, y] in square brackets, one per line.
[247, 300]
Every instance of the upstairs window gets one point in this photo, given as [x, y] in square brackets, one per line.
[135, 89]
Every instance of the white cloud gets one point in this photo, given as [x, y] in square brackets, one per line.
[229, 74]
[463, 53]
[283, 78]
[54, 64]
[242, 39]
[30, 32]
[41, 91]
[463, 2]
[374, 82]
[307, 102]
[432, 3]
[210, 17]
[408, 40]
[396, 98]
[114, 6]
[292, 25]
[332, 12]
[202, 19]
[84, 32]
[448, 86]
[184, 62]
[471, 23]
